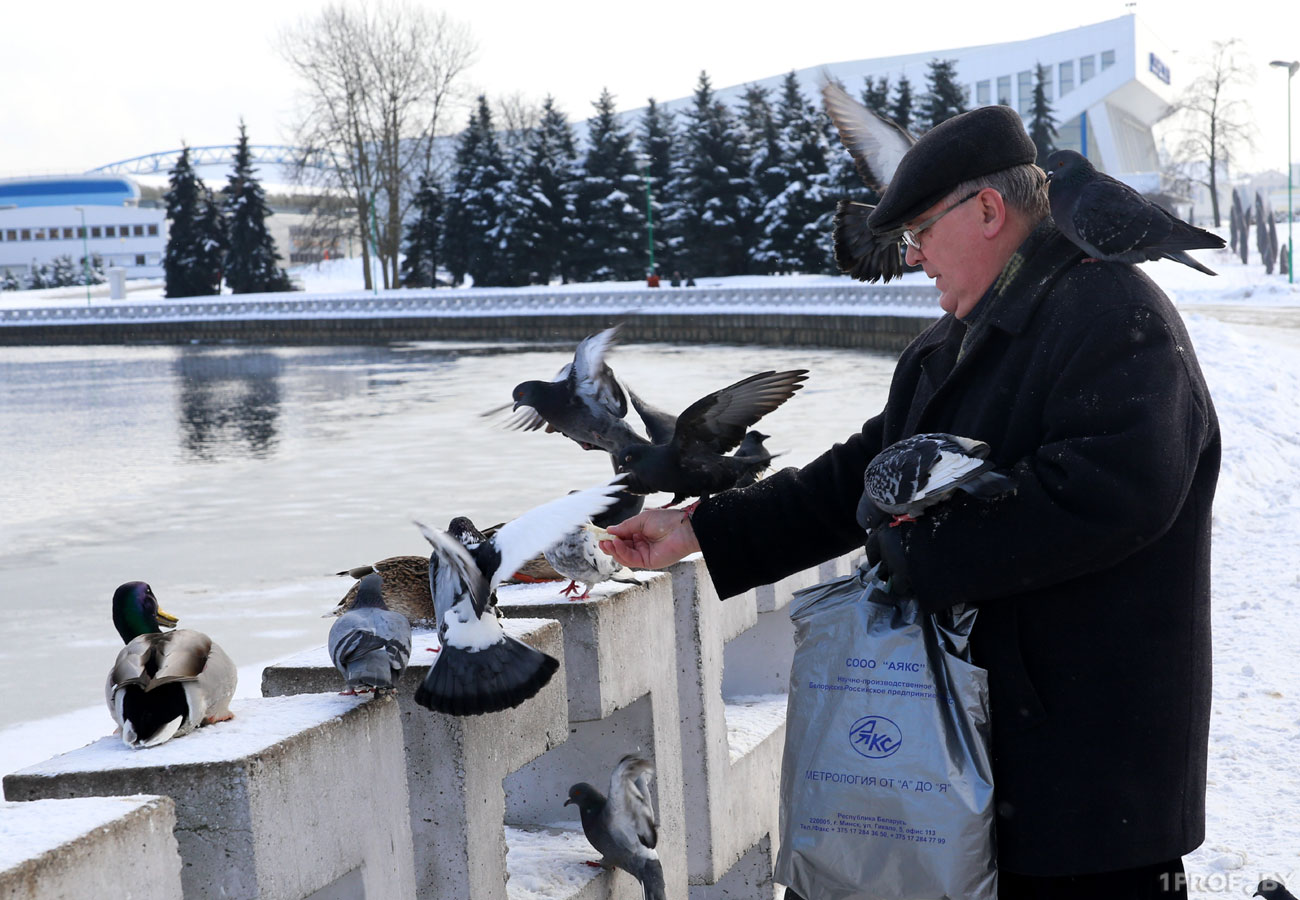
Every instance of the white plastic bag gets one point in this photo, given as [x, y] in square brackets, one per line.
[886, 784]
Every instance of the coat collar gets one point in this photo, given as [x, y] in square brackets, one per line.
[1026, 278]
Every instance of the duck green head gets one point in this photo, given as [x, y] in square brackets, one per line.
[136, 612]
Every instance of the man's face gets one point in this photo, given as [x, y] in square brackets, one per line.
[952, 252]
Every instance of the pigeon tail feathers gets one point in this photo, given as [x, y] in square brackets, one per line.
[502, 676]
[652, 880]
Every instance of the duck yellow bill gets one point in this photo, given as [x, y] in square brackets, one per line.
[165, 619]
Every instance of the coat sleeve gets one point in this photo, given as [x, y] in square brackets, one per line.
[788, 521]
[1124, 424]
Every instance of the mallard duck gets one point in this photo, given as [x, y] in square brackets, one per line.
[164, 684]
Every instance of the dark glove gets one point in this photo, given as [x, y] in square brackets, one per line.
[885, 547]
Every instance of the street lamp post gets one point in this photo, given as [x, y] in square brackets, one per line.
[1291, 68]
[85, 249]
[643, 164]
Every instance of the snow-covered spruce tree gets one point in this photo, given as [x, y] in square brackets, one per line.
[944, 97]
[901, 109]
[795, 225]
[214, 241]
[1042, 127]
[612, 227]
[9, 282]
[547, 226]
[62, 274]
[657, 139]
[711, 186]
[189, 268]
[875, 94]
[479, 217]
[768, 169]
[251, 265]
[423, 235]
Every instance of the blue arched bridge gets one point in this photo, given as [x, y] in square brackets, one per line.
[215, 155]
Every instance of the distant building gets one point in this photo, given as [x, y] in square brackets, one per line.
[42, 218]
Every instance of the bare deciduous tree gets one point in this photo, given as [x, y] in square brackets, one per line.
[1214, 119]
[516, 116]
[378, 81]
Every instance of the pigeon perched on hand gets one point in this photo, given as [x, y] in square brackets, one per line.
[877, 145]
[1110, 221]
[622, 827]
[692, 463]
[915, 473]
[1272, 889]
[370, 644]
[480, 669]
[578, 556]
[584, 402]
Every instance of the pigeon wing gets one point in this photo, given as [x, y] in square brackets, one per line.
[544, 526]
[631, 810]
[859, 252]
[719, 420]
[877, 144]
[592, 380]
[659, 425]
[452, 572]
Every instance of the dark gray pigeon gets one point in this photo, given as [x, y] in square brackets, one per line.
[915, 473]
[758, 457]
[584, 401]
[693, 462]
[877, 145]
[1272, 889]
[370, 644]
[622, 828]
[480, 669]
[1110, 221]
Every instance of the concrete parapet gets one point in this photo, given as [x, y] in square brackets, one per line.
[292, 796]
[59, 849]
[456, 766]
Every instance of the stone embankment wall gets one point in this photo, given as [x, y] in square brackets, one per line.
[309, 795]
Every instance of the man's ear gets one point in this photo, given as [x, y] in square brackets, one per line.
[993, 212]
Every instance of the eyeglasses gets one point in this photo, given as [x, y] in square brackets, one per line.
[912, 236]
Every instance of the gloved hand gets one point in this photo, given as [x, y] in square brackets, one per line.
[885, 546]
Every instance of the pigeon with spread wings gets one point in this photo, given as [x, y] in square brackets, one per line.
[622, 826]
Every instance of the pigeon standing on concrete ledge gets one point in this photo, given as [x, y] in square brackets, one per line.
[578, 556]
[370, 644]
[917, 472]
[622, 828]
[480, 669]
[1110, 221]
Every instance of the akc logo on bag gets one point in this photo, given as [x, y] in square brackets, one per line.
[875, 737]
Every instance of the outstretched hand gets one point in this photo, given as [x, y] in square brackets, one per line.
[652, 540]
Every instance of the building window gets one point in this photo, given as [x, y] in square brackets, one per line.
[40, 234]
[139, 259]
[1065, 74]
[95, 231]
[81, 232]
[1026, 85]
[1087, 66]
[137, 230]
[1004, 90]
[153, 231]
[67, 234]
[11, 235]
[983, 93]
[110, 231]
[27, 234]
[1107, 59]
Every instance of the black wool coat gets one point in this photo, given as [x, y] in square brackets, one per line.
[1092, 579]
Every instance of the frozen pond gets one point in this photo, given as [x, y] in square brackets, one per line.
[236, 479]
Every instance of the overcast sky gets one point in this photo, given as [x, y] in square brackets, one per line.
[89, 84]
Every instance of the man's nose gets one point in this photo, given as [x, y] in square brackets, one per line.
[912, 256]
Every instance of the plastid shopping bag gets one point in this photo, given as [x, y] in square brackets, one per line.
[886, 784]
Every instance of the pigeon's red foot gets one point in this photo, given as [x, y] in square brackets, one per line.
[583, 596]
[210, 720]
[347, 693]
[594, 865]
[433, 649]
[571, 589]
[529, 579]
[899, 520]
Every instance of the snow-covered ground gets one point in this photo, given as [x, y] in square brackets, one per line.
[1254, 375]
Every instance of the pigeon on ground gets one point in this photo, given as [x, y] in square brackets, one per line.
[623, 828]
[877, 145]
[370, 644]
[584, 402]
[692, 463]
[1272, 889]
[480, 669]
[1110, 221]
[917, 472]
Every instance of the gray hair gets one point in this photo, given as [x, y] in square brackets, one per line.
[1023, 188]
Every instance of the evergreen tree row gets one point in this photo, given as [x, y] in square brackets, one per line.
[212, 239]
[743, 190]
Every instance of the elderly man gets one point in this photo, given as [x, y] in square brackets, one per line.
[1092, 579]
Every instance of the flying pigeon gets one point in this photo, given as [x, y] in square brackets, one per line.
[369, 643]
[877, 145]
[1272, 889]
[917, 472]
[692, 463]
[1110, 221]
[623, 828]
[481, 669]
[584, 402]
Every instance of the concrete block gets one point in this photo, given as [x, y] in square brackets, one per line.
[290, 797]
[620, 662]
[116, 848]
[455, 767]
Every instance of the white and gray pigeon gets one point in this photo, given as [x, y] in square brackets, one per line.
[481, 669]
[909, 476]
[370, 644]
[578, 556]
[877, 145]
[1110, 221]
[622, 827]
